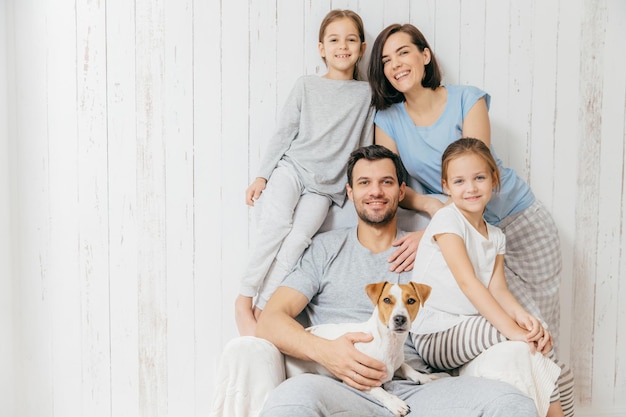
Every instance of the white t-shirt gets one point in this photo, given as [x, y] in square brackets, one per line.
[447, 305]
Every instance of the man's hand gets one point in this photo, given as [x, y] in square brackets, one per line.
[403, 258]
[350, 365]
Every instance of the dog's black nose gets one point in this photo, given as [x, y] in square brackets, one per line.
[399, 321]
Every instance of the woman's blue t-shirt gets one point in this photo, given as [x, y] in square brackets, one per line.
[421, 147]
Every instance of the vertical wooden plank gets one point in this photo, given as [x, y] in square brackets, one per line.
[520, 88]
[8, 352]
[235, 102]
[543, 107]
[33, 202]
[123, 207]
[587, 201]
[152, 251]
[423, 15]
[618, 12]
[345, 4]
[472, 43]
[263, 106]
[178, 145]
[208, 180]
[619, 386]
[69, 357]
[567, 142]
[93, 250]
[313, 13]
[263, 81]
[612, 65]
[396, 11]
[447, 39]
[291, 35]
[371, 13]
[497, 74]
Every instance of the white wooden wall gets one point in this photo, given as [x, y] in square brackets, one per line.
[7, 353]
[130, 129]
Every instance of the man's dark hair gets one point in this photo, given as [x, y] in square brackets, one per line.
[374, 153]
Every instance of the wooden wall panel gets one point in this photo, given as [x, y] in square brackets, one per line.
[179, 205]
[33, 240]
[151, 208]
[587, 199]
[611, 187]
[89, 148]
[7, 316]
[134, 129]
[123, 197]
[212, 329]
[567, 141]
[235, 70]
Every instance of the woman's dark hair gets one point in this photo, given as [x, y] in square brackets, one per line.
[374, 153]
[383, 93]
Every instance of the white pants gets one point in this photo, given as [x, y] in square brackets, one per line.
[287, 218]
[250, 368]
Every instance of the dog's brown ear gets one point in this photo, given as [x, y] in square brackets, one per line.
[422, 291]
[375, 290]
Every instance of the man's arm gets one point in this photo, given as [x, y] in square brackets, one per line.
[278, 325]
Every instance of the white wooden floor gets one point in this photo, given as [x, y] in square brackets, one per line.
[129, 131]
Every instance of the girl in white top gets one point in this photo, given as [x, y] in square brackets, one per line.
[461, 257]
[304, 166]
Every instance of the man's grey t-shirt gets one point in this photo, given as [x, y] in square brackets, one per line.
[333, 273]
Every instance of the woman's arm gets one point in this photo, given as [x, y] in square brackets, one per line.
[476, 123]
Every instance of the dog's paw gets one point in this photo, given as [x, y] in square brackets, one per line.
[394, 404]
[398, 407]
[439, 375]
[420, 378]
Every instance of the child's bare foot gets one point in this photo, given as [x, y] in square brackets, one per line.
[245, 316]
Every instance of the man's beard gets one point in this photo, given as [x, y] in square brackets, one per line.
[379, 220]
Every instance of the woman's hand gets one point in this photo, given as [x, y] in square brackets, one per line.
[403, 258]
[254, 190]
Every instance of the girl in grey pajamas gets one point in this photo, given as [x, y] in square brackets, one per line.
[303, 170]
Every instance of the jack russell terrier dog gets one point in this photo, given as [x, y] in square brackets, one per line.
[396, 306]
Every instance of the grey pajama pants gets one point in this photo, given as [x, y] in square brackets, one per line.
[533, 264]
[287, 218]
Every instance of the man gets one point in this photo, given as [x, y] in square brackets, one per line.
[329, 285]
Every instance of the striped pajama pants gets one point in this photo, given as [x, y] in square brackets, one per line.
[533, 264]
[454, 347]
